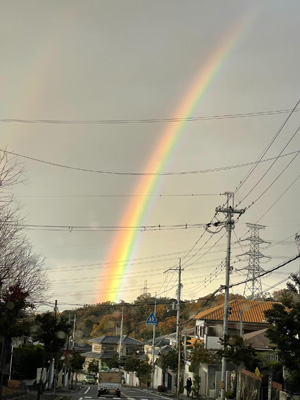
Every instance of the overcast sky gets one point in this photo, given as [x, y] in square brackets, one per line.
[133, 60]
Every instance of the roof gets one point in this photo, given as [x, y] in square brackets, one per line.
[253, 311]
[92, 354]
[258, 339]
[82, 347]
[100, 356]
[128, 341]
[192, 341]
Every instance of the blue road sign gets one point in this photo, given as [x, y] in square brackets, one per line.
[151, 320]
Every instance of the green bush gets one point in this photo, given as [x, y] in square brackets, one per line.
[161, 388]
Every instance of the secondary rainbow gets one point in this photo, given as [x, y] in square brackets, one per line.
[118, 258]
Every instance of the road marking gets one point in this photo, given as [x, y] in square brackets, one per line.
[87, 390]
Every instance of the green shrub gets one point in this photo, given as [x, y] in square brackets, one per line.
[161, 388]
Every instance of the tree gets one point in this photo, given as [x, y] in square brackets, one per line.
[18, 263]
[93, 367]
[74, 361]
[26, 361]
[114, 362]
[52, 331]
[284, 320]
[198, 354]
[144, 370]
[132, 363]
[12, 324]
[235, 350]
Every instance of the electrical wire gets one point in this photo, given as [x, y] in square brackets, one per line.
[267, 272]
[297, 130]
[143, 173]
[266, 149]
[142, 228]
[275, 202]
[125, 195]
[142, 121]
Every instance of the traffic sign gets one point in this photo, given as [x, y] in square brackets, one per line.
[151, 320]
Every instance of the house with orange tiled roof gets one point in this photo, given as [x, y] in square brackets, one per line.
[244, 316]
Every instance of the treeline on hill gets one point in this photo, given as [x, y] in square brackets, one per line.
[105, 318]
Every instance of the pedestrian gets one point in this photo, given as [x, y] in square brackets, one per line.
[188, 386]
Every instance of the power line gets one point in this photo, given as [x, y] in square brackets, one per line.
[272, 183]
[142, 228]
[267, 272]
[259, 160]
[141, 121]
[276, 201]
[297, 130]
[146, 173]
[122, 195]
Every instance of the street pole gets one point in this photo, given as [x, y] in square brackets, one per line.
[153, 343]
[121, 336]
[178, 305]
[178, 369]
[55, 359]
[73, 333]
[229, 211]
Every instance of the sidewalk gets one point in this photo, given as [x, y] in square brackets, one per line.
[172, 395]
[61, 393]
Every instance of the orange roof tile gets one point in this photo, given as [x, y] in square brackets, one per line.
[192, 341]
[253, 311]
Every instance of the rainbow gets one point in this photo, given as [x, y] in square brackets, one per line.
[124, 242]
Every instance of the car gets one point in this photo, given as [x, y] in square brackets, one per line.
[89, 380]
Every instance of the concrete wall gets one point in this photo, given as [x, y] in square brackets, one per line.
[212, 342]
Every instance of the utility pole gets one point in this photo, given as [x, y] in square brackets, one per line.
[229, 210]
[153, 343]
[121, 335]
[55, 360]
[297, 240]
[73, 333]
[178, 320]
[178, 299]
[178, 370]
[178, 305]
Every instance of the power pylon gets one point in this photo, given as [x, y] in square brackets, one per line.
[145, 287]
[253, 286]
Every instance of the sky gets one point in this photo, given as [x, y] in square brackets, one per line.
[157, 109]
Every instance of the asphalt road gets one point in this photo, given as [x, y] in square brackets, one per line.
[89, 392]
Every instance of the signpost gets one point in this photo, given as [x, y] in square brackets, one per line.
[151, 320]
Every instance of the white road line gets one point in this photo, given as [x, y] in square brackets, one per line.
[87, 390]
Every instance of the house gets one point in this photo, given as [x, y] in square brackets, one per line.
[245, 316]
[106, 347]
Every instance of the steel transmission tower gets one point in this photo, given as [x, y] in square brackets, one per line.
[253, 286]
